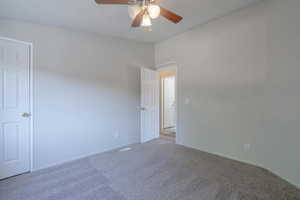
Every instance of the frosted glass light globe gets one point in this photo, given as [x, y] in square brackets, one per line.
[146, 21]
[154, 11]
[134, 10]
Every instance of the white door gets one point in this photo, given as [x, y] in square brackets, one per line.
[169, 104]
[149, 105]
[14, 111]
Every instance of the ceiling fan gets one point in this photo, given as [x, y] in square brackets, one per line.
[142, 11]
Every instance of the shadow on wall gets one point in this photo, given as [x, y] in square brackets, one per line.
[81, 113]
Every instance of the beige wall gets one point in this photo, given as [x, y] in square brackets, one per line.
[241, 74]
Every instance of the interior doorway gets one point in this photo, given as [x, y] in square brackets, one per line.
[168, 103]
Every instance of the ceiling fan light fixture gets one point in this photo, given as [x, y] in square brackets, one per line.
[134, 10]
[143, 11]
[154, 11]
[146, 21]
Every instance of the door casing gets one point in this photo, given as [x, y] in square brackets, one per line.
[166, 67]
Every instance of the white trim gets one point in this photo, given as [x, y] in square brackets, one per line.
[75, 158]
[172, 66]
[167, 66]
[31, 103]
[140, 107]
[31, 142]
[162, 99]
[15, 40]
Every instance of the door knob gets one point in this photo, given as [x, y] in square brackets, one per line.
[143, 109]
[25, 114]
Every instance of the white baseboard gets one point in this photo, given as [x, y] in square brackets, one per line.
[65, 161]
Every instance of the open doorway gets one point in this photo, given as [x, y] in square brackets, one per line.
[168, 103]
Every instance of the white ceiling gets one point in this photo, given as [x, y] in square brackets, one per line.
[114, 20]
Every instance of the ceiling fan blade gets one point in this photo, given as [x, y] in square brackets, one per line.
[170, 15]
[122, 2]
[138, 19]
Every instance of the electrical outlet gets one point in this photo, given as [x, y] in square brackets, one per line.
[247, 147]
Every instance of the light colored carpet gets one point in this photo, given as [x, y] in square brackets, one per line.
[158, 170]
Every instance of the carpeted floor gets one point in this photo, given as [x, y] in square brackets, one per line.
[158, 170]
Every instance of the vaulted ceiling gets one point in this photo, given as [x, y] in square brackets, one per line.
[86, 15]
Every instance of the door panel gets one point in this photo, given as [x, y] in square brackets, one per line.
[149, 105]
[169, 104]
[11, 141]
[14, 95]
[10, 80]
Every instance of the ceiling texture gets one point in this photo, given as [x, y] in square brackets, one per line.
[86, 15]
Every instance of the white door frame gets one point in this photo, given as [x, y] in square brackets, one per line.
[172, 66]
[31, 141]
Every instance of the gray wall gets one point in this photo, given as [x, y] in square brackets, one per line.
[242, 76]
[86, 88]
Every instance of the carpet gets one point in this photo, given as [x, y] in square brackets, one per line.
[157, 170]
